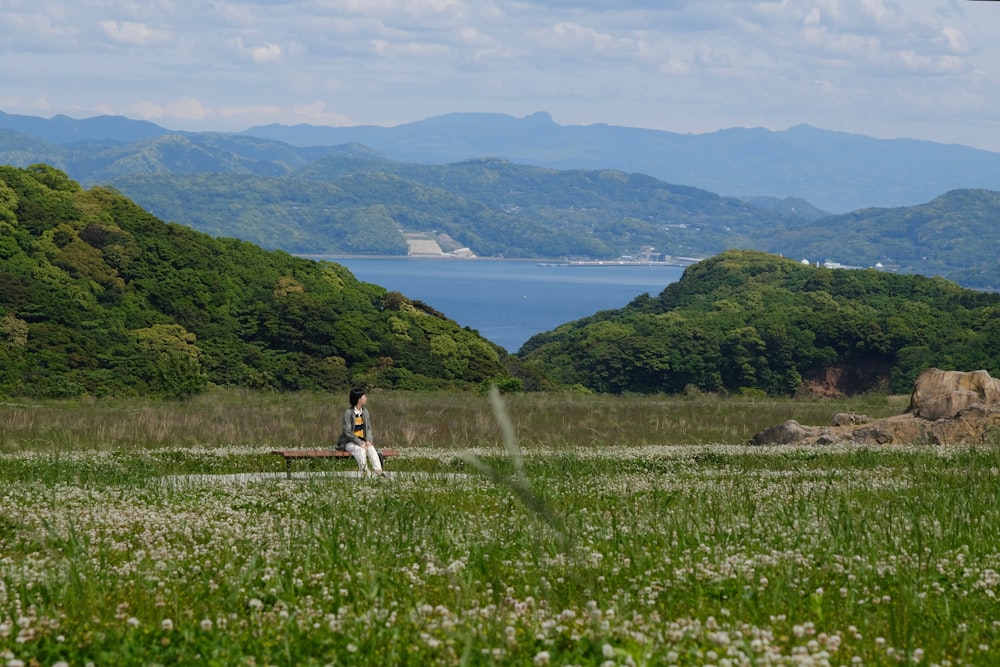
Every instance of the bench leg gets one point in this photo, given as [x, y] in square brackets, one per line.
[288, 467]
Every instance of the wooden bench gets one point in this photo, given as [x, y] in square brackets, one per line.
[298, 454]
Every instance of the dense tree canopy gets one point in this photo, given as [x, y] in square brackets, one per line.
[499, 208]
[97, 296]
[313, 200]
[748, 320]
[955, 236]
[491, 206]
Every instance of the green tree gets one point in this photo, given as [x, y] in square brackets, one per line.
[172, 369]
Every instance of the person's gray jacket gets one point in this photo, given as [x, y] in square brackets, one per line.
[347, 430]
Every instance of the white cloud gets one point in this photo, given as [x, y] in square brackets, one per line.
[134, 33]
[932, 65]
[675, 67]
[471, 36]
[38, 106]
[190, 109]
[314, 113]
[393, 7]
[955, 39]
[920, 64]
[187, 109]
[401, 49]
[264, 53]
[34, 29]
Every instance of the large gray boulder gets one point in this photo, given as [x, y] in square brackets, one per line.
[941, 394]
[946, 407]
[784, 434]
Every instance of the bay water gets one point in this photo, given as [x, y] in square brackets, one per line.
[508, 301]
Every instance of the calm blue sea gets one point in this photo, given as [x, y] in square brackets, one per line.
[509, 301]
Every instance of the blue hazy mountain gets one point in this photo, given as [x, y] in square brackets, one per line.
[63, 129]
[835, 171]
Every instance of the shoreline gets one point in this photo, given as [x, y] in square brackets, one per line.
[540, 261]
[450, 258]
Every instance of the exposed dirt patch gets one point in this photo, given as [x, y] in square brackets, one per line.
[848, 379]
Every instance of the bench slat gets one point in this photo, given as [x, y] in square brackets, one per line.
[297, 454]
[310, 453]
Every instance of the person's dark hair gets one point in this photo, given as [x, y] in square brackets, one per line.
[356, 395]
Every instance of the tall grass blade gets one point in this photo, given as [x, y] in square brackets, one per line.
[519, 483]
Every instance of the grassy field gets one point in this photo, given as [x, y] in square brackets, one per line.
[528, 530]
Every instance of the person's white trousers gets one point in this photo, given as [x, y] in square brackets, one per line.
[361, 454]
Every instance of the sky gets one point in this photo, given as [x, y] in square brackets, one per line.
[921, 69]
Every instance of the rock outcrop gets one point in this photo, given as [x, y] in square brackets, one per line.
[941, 394]
[946, 407]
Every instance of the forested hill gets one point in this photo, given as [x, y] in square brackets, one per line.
[492, 206]
[956, 236]
[746, 320]
[495, 207]
[97, 297]
[310, 200]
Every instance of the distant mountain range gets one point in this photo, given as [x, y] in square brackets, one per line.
[835, 171]
[311, 199]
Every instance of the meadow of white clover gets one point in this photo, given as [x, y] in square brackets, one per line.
[495, 554]
[145, 533]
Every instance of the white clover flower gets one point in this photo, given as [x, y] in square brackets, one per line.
[206, 624]
[721, 638]
[542, 658]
